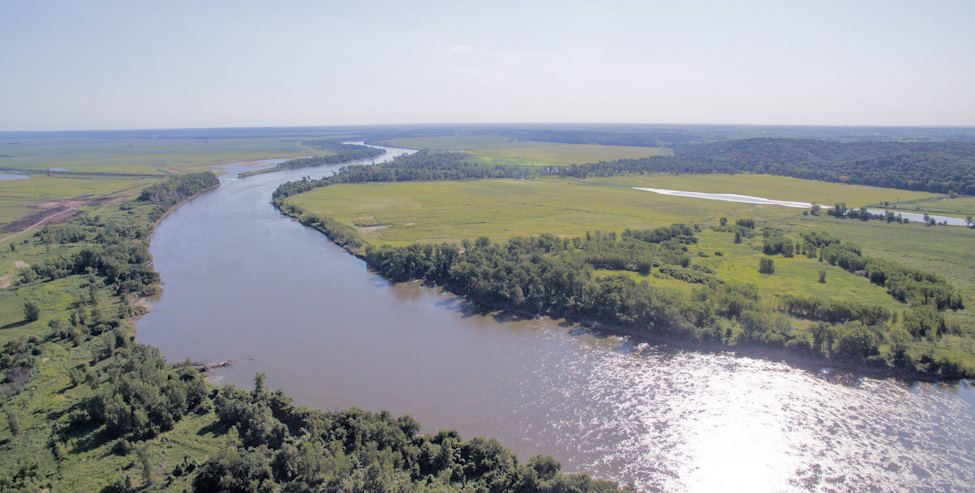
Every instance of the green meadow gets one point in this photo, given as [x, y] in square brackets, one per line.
[961, 206]
[142, 156]
[502, 150]
[100, 167]
[408, 212]
[404, 213]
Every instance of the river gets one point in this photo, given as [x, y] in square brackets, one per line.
[243, 282]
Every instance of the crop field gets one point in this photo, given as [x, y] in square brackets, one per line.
[409, 212]
[142, 156]
[502, 150]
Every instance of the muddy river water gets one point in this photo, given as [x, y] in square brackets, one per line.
[243, 282]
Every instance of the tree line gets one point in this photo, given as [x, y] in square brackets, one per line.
[422, 165]
[339, 153]
[281, 446]
[547, 275]
[906, 284]
[342, 153]
[115, 247]
[940, 167]
[178, 188]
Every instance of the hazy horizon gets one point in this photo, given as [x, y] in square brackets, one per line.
[122, 66]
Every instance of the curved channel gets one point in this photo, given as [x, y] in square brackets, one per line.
[243, 282]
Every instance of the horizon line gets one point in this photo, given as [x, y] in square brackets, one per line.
[434, 124]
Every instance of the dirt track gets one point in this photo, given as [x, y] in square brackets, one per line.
[52, 212]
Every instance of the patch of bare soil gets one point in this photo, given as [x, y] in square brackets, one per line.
[51, 212]
[371, 229]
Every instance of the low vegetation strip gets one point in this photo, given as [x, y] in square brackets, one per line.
[339, 153]
[420, 166]
[494, 149]
[87, 408]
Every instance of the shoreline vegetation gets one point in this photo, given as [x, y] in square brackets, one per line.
[339, 153]
[556, 276]
[87, 407]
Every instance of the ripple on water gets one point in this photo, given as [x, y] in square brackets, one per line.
[243, 282]
[675, 420]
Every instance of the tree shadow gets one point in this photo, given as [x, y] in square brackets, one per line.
[14, 325]
[94, 437]
[216, 428]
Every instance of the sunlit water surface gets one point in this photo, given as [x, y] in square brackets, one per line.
[243, 282]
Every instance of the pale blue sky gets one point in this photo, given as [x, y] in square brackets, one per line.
[97, 65]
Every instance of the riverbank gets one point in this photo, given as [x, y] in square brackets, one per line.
[423, 214]
[610, 405]
[347, 239]
[79, 378]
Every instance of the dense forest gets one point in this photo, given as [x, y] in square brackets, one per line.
[177, 189]
[281, 446]
[125, 398]
[941, 167]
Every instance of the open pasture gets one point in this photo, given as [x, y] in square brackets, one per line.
[141, 156]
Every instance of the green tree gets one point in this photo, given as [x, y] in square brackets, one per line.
[766, 265]
[822, 277]
[31, 311]
[12, 422]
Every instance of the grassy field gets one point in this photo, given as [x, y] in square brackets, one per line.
[958, 206]
[16, 196]
[403, 213]
[102, 164]
[774, 187]
[502, 150]
[408, 212]
[142, 156]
